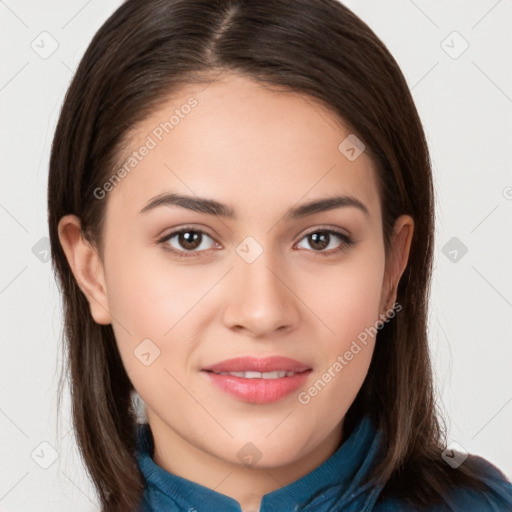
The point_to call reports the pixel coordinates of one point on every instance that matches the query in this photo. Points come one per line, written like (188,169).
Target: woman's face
(269,280)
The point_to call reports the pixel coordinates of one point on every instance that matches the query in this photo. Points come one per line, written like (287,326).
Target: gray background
(465,101)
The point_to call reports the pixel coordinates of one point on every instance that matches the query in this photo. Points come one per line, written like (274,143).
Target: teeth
(259,375)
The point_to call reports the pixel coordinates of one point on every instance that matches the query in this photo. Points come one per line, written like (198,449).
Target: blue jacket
(334,486)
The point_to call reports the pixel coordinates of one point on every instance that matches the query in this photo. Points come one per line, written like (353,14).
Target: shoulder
(496,498)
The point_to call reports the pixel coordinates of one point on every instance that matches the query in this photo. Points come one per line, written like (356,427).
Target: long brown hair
(142,54)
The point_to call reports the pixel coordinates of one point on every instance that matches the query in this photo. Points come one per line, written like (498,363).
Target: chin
(260,453)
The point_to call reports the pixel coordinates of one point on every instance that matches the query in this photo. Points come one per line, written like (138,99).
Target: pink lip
(254,364)
(258,391)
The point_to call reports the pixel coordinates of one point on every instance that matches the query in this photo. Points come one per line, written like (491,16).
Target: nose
(260,298)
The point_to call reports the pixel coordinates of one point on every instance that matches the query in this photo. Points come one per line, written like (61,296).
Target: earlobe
(397,261)
(86,266)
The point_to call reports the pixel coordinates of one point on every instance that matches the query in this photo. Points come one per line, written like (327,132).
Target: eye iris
(190,239)
(316,237)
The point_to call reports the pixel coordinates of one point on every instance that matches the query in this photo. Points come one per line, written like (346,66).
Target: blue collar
(336,482)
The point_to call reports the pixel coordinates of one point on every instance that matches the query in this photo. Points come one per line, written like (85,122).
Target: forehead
(244,144)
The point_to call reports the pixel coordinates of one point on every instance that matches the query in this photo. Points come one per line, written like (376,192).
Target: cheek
(153,299)
(347,297)
(349,306)
(148,295)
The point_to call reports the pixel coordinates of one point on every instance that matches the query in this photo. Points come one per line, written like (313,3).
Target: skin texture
(261,152)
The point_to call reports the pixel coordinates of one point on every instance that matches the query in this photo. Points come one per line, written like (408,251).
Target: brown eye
(186,240)
(321,239)
(189,240)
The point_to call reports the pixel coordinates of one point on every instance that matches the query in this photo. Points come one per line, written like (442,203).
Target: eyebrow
(212,207)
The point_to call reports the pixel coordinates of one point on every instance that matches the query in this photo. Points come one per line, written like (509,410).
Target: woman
(241,218)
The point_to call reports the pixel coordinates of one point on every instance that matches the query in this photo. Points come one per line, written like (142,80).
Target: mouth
(258,381)
(259,375)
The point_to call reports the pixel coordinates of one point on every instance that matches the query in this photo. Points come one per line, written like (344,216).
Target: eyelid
(180,228)
(326,227)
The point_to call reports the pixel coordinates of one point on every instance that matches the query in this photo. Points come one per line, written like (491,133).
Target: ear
(86,266)
(397,260)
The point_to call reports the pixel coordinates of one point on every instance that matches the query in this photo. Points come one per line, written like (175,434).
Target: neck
(246,485)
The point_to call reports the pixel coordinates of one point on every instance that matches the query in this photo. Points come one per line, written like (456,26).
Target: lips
(261,365)
(258,381)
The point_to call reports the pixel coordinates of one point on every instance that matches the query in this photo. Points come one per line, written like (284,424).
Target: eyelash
(347,242)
